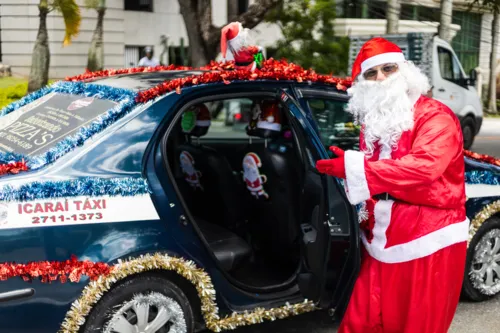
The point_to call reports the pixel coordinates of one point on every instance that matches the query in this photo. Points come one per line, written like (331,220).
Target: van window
(448,65)
(335,125)
(38,126)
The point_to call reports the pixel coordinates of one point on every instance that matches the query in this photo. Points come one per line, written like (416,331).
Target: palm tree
(40,62)
(96,51)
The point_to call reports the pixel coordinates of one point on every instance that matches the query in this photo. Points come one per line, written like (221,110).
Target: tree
(204,37)
(393,10)
(95,60)
(39,73)
(308,35)
(492,6)
(446,9)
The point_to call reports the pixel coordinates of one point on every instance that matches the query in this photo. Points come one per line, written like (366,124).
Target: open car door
(330,242)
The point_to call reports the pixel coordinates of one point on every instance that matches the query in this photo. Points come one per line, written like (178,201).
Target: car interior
(244,186)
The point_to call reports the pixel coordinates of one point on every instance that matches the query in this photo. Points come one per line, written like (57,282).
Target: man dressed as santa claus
(408,180)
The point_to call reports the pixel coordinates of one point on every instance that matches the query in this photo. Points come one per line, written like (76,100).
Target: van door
(330,242)
(447,75)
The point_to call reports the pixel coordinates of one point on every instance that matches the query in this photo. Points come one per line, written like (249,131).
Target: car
(125,206)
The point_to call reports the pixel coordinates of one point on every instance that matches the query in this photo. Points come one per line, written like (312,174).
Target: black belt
(384,196)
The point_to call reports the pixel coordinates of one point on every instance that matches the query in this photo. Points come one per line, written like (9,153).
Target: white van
(439,62)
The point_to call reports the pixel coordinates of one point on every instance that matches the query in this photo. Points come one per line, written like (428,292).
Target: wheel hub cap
(148,313)
(485,270)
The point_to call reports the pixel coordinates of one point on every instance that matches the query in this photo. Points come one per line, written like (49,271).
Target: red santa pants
(418,296)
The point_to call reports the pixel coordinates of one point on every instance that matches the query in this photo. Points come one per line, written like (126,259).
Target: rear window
(38,126)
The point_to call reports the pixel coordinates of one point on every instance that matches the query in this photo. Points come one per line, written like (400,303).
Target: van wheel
(468,131)
(482,270)
(147,303)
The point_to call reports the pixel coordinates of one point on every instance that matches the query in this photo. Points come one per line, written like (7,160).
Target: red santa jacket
(425,174)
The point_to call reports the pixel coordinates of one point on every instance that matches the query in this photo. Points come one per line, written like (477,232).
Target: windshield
(38,126)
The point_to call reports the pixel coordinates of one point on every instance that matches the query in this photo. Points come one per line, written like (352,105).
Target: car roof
(144,80)
(155,81)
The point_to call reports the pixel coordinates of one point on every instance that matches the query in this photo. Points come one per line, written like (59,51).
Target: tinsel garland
(48,271)
(124,98)
(271,70)
(88,186)
(88,75)
(13,167)
(93,292)
(485,213)
(476,223)
(482,158)
(482,177)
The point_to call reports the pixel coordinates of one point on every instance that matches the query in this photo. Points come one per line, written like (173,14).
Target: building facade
(130,25)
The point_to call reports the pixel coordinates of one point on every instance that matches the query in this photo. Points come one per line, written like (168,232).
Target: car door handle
(441,90)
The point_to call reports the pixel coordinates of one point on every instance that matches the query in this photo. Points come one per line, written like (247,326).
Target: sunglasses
(386,69)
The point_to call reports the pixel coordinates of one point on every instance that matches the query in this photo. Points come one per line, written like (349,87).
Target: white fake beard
(385,108)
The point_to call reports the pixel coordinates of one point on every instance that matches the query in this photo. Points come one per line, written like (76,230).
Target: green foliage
(72,18)
(12,93)
(95,4)
(12,89)
(308,35)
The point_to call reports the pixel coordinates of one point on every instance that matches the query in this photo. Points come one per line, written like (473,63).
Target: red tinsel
(46,271)
(13,167)
(482,158)
(271,70)
(112,72)
(220,72)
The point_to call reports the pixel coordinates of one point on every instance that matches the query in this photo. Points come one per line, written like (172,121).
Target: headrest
(196,120)
(266,119)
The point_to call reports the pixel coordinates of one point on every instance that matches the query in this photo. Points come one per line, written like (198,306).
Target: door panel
(326,218)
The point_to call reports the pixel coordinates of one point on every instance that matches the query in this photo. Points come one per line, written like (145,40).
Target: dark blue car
(129,206)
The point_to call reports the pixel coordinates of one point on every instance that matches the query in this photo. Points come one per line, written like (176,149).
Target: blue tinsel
(482,177)
(90,187)
(124,98)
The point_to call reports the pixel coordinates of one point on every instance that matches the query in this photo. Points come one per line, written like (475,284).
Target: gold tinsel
(93,292)
(485,213)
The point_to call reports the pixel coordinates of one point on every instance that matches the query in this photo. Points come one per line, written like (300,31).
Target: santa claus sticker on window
(253,179)
(191,175)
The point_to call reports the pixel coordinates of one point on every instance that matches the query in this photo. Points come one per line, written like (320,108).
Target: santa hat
(375,52)
(270,116)
(254,158)
(232,36)
(203,118)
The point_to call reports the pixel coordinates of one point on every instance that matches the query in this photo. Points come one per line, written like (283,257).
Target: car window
(229,118)
(335,125)
(448,65)
(38,126)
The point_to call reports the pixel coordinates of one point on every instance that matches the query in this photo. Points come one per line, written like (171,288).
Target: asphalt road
(470,317)
(488,140)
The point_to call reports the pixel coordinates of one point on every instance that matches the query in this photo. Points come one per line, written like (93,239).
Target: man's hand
(337,151)
(334,166)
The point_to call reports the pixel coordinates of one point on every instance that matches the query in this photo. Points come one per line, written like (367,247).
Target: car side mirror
(471,81)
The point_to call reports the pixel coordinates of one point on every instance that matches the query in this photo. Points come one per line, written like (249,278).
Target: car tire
(128,300)
(468,132)
(480,257)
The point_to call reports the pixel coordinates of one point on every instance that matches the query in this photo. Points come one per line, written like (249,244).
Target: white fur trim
(269,126)
(380,59)
(203,123)
(357,187)
(417,248)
